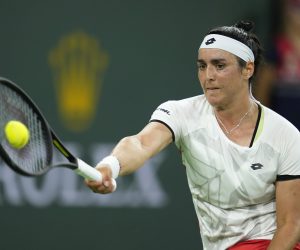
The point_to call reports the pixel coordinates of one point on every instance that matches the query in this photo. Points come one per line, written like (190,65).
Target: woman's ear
(248,70)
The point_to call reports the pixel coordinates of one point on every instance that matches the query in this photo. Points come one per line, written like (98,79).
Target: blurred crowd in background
(278,83)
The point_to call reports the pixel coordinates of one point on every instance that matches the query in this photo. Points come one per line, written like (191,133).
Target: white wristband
(113,164)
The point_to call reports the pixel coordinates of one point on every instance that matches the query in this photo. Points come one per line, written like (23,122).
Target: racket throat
(61,148)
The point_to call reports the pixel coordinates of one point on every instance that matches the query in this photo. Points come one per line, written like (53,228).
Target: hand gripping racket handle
(91,173)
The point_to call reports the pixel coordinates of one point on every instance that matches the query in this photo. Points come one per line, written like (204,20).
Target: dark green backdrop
(152,48)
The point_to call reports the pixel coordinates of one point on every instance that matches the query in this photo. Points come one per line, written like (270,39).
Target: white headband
(214,41)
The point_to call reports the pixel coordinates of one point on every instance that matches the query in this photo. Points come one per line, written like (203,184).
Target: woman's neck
(233,113)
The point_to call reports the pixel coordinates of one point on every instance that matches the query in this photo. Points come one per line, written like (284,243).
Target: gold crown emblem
(78,63)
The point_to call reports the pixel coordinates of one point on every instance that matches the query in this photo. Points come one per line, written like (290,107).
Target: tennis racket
(36,157)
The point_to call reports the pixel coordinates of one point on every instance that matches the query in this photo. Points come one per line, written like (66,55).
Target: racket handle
(91,173)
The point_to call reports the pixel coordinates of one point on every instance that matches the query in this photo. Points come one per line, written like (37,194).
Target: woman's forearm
(286,237)
(131,154)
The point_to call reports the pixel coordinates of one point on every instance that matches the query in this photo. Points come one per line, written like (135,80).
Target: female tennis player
(242,159)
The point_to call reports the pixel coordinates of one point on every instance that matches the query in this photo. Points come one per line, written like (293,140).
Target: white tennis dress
(232,186)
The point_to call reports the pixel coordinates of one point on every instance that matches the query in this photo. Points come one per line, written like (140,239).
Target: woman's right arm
(132,152)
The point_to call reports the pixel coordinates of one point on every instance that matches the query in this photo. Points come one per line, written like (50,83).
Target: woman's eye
(220,66)
(201,66)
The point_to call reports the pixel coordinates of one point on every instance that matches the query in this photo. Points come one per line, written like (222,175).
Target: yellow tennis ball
(17,134)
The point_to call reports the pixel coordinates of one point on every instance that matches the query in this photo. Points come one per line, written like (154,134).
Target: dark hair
(241,31)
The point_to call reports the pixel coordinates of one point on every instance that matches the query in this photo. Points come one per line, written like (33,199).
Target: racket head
(36,157)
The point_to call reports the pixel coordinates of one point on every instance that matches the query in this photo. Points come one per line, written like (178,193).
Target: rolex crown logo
(78,63)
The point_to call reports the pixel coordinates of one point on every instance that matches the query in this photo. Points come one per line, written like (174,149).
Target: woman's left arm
(288,215)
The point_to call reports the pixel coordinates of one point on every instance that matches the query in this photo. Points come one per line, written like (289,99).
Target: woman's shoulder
(188,103)
(278,124)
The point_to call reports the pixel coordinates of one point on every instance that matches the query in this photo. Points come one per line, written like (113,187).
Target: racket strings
(36,155)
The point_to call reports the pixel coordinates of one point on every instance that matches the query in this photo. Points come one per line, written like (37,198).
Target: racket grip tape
(90,173)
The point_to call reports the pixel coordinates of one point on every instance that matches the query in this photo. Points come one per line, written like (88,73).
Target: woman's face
(221,77)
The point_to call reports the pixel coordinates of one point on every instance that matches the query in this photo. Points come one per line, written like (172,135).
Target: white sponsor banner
(62,187)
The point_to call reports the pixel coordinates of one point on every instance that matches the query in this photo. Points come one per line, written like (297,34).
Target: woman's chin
(213,100)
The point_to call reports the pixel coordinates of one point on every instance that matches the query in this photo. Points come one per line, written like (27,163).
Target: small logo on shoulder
(164,110)
(210,41)
(256,166)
